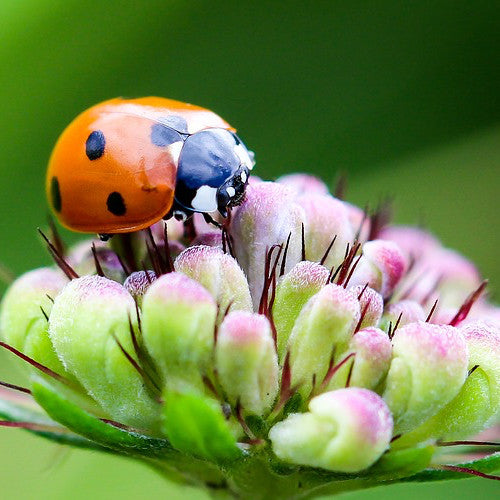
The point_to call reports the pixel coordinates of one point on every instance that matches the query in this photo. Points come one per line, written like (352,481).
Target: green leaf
(14,408)
(488,465)
(109,436)
(195,425)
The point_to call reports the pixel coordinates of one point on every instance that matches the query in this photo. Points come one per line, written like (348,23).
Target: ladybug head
(212,174)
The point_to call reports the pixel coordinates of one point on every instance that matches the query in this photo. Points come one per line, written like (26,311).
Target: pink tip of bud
(435,343)
(415,243)
(371,305)
(138,282)
(245,328)
(208,239)
(44,279)
(483,333)
(177,286)
(372,417)
(306,273)
(389,259)
(304,184)
(98,288)
(372,344)
(408,310)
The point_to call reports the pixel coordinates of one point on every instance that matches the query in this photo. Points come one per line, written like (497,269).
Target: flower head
(300,346)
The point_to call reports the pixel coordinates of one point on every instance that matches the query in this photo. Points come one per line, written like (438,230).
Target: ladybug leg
(210,220)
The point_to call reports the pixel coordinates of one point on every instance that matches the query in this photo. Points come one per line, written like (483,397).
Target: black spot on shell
(55,194)
(94,147)
(162,135)
(116,204)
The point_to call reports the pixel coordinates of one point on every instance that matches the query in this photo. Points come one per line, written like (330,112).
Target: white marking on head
(205,199)
(231,191)
(243,176)
(242,153)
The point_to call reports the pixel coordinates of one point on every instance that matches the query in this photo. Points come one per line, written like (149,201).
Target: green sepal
(487,465)
(401,463)
(196,425)
(90,427)
(294,404)
(257,425)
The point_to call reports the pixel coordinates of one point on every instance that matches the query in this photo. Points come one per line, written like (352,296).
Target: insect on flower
(124,164)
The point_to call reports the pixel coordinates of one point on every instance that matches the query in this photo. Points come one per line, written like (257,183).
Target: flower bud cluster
(301,332)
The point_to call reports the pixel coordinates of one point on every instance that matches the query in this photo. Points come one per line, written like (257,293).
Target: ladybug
(124,164)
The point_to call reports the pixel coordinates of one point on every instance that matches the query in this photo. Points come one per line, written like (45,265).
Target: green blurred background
(402,96)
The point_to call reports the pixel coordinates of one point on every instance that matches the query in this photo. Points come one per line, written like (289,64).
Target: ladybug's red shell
(110,171)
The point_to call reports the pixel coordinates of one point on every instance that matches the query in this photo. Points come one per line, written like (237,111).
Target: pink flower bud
(372,352)
(268,216)
(178,321)
(325,218)
(22,314)
(382,266)
(402,313)
(304,184)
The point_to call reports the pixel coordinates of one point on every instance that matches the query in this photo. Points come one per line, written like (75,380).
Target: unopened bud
(24,311)
(220,274)
(428,368)
(324,326)
(89,326)
(138,282)
(268,216)
(344,431)
(382,266)
(292,293)
(325,218)
(246,361)
(178,321)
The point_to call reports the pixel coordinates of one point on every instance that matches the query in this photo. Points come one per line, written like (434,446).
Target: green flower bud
(178,330)
(220,274)
(292,293)
(323,327)
(428,369)
(465,415)
(22,316)
(477,405)
(88,320)
(246,362)
(372,351)
(344,431)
